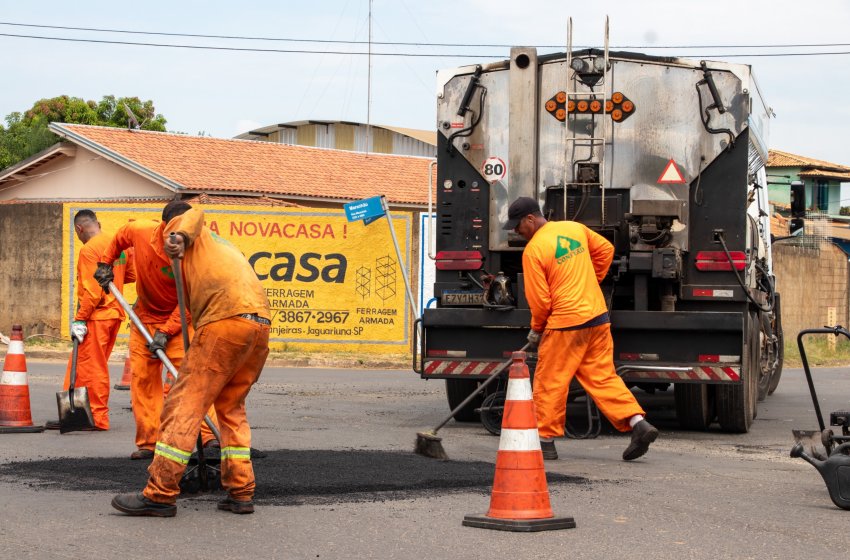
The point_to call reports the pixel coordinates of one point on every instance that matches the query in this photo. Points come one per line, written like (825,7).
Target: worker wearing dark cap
(563,264)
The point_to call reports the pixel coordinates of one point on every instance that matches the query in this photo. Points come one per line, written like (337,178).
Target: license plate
(453,297)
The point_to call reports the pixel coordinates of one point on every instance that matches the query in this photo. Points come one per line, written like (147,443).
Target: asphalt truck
(663,156)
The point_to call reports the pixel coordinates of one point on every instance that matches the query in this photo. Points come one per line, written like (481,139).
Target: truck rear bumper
(649,346)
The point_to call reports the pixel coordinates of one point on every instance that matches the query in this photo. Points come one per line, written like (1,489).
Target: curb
(314,361)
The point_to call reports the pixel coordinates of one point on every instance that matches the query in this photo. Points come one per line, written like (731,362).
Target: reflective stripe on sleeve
(172,453)
(235,453)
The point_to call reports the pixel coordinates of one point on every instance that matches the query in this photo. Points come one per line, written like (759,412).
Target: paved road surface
(340,482)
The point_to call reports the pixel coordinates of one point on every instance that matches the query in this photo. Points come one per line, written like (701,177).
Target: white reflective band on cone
(518,390)
(15,347)
(13,378)
(519,440)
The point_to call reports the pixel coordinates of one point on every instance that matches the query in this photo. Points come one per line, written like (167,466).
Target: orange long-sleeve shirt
(93,304)
(219,281)
(562,267)
(157,294)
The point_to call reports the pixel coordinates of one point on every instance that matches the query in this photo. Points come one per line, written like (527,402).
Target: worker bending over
(563,264)
(225,358)
(156,307)
(97,317)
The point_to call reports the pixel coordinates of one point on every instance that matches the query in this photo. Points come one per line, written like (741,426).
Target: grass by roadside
(818,351)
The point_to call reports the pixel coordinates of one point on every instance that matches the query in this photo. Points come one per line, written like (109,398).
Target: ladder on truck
(572,142)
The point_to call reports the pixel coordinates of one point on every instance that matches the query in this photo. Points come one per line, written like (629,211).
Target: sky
(227,92)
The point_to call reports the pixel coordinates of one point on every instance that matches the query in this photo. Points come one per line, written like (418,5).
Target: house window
(823,195)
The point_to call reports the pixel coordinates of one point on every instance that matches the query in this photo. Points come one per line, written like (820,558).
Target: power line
(356,53)
(243,49)
(413,44)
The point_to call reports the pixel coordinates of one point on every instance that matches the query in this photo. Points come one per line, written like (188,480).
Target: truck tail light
(711,261)
(459,260)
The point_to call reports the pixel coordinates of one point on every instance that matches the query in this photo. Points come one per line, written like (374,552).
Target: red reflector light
(629,356)
(709,261)
(711,358)
(459,260)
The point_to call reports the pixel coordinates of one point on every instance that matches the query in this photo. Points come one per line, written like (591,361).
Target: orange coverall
(225,359)
(102,314)
(563,265)
(157,308)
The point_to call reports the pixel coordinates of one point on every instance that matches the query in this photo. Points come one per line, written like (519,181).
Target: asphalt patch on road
(286,477)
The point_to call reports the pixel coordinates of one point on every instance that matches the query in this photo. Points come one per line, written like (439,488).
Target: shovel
(74,408)
(159,353)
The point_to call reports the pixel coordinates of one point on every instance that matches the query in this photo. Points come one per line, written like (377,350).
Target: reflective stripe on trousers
(235,453)
(172,453)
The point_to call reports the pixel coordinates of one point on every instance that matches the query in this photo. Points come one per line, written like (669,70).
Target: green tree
(26,133)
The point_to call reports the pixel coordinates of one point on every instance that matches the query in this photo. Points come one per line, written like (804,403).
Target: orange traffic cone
(126,377)
(15,415)
(520,497)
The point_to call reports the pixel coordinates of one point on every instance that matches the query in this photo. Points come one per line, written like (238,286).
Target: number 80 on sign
(494,169)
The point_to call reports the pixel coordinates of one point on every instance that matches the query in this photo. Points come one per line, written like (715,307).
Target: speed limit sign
(494,169)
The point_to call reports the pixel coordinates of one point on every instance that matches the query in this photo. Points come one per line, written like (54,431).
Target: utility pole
(369,88)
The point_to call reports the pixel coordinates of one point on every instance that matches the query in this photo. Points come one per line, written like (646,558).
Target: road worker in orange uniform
(563,264)
(157,309)
(231,314)
(97,318)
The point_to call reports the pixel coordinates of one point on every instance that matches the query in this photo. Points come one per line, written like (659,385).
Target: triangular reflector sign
(671,174)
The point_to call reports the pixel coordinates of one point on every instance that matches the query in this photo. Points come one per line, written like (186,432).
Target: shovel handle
(159,353)
(74,354)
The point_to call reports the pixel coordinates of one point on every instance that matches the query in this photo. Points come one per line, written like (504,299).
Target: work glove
(533,339)
(160,339)
(79,330)
(104,275)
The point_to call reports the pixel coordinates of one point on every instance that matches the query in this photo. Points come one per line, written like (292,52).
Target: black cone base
(520,525)
(21,429)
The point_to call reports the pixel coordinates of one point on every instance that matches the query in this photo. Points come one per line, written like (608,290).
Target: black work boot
(235,506)
(643,434)
(137,504)
(141,454)
(550,453)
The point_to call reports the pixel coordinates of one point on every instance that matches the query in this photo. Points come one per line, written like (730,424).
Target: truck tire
(459,389)
(772,355)
(777,371)
(695,405)
(736,404)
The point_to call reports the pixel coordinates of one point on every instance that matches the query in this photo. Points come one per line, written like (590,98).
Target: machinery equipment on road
(664,157)
(835,468)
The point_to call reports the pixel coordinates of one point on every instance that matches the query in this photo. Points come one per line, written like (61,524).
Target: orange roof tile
(205,198)
(777,158)
(200,163)
(837,175)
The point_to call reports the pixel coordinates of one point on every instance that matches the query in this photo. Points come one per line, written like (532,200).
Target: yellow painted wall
(333,285)
(382,141)
(344,137)
(307,135)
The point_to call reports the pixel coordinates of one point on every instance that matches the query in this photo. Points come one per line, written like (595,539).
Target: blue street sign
(366,209)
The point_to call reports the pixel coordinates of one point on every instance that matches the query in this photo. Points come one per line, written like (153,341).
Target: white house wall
(83,176)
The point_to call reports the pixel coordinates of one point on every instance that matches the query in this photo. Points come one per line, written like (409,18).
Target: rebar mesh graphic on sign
(385,277)
(363,282)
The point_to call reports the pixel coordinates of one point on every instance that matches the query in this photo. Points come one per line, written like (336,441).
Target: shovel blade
(812,443)
(78,416)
